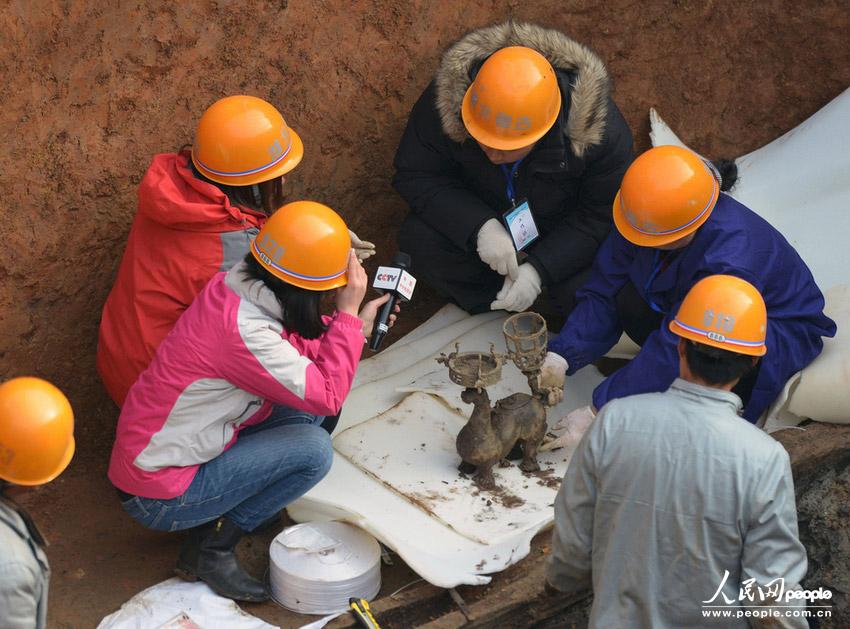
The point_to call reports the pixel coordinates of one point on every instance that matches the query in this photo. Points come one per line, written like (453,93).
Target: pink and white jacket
(223,366)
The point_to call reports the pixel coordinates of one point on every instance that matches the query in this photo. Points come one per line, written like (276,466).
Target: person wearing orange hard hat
(697,505)
(198,212)
(674,227)
(509,164)
(36,445)
(226,425)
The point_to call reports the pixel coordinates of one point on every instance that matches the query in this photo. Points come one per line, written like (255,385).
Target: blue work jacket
(733,241)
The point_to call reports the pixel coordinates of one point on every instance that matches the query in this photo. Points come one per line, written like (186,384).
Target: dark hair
(727,169)
(300,307)
(714,365)
(243,196)
(265,197)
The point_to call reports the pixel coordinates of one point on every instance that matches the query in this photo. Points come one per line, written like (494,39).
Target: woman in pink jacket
(222,430)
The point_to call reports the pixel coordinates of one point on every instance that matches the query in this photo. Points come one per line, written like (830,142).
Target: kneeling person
(675,227)
(679,499)
(222,430)
(516,113)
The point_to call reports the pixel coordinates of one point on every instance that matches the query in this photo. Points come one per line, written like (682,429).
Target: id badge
(521,226)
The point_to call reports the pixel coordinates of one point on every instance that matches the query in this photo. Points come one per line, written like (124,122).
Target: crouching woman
(223,429)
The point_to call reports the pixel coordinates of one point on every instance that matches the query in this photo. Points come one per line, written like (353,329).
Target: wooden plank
(514,598)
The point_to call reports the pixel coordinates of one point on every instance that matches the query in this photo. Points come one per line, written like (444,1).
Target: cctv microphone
(395,280)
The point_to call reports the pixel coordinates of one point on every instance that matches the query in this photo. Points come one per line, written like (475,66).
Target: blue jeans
(270,465)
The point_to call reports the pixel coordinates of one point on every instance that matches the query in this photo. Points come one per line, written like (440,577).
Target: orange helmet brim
(497,142)
(644,239)
(56,471)
(291,160)
(730,345)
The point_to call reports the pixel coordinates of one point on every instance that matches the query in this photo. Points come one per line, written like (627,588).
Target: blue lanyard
(657,263)
(509,176)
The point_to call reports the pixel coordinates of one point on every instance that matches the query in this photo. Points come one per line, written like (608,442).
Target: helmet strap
(270,195)
(258,197)
(714,172)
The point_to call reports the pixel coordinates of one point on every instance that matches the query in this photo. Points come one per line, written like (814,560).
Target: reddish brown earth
(92,90)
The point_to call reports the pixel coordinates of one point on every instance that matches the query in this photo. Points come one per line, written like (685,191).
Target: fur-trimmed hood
(585,125)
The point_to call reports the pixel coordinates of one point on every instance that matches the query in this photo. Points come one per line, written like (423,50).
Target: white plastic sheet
(161,604)
(422,467)
(822,390)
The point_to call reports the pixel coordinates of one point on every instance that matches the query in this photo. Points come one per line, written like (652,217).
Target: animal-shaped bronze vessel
(493,430)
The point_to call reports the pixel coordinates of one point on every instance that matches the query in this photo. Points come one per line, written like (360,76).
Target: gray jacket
(24,573)
(665,495)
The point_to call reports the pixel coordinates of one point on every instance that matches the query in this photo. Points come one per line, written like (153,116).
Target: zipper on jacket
(233,423)
(247,408)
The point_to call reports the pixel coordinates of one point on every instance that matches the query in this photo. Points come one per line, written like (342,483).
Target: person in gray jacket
(36,445)
(674,509)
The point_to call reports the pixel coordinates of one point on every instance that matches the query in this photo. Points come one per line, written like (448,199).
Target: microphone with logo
(396,280)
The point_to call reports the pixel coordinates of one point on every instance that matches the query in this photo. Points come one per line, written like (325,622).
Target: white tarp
(375,499)
(422,467)
(800,183)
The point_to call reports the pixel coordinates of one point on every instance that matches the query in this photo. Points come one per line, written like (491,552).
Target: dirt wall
(93,90)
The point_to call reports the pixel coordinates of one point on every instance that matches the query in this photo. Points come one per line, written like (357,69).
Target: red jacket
(185,231)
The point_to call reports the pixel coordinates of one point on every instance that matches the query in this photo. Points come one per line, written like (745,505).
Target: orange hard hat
(726,312)
(513,101)
(36,431)
(666,194)
(305,244)
(243,140)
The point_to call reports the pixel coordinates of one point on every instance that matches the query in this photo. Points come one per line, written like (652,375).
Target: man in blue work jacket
(675,227)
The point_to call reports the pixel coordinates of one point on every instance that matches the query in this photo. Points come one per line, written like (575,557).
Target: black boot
(208,554)
(330,422)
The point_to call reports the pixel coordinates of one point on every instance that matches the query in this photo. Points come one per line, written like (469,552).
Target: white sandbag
(172,602)
(822,390)
(800,183)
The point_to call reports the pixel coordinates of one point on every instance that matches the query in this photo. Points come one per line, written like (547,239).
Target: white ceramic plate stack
(317,566)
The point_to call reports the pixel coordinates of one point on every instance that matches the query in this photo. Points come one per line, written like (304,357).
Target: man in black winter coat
(471,153)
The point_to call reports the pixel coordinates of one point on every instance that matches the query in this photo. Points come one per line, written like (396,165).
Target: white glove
(518,295)
(553,373)
(496,249)
(362,248)
(574,425)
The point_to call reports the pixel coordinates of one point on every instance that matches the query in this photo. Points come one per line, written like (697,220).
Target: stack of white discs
(316,567)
